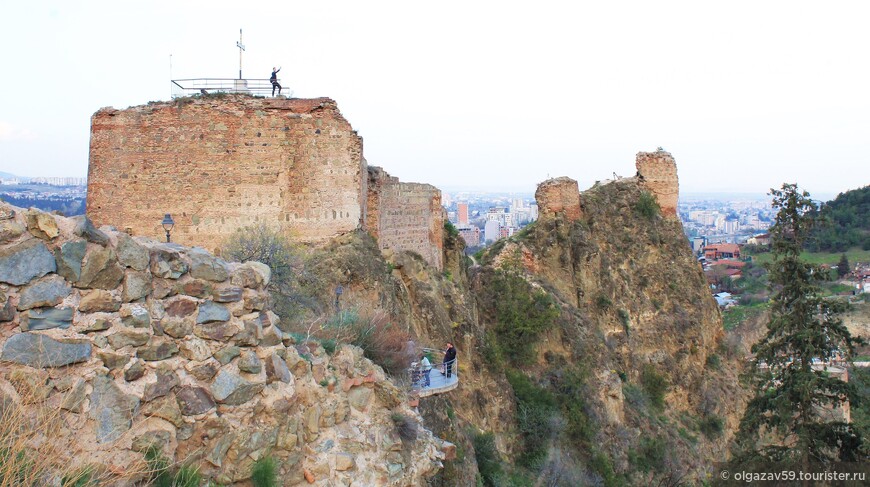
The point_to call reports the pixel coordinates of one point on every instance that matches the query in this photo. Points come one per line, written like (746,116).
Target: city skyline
(514,95)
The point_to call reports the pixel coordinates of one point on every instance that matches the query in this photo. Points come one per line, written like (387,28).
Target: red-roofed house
(722,251)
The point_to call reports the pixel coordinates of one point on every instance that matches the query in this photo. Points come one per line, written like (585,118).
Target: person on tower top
(274,80)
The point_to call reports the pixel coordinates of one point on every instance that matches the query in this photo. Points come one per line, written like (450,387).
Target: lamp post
(338,291)
(168,223)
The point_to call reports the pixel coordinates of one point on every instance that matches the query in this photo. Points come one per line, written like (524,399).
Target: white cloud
(11,132)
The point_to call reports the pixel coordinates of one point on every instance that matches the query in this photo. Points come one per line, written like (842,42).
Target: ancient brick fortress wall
(658,174)
(221,163)
(405,216)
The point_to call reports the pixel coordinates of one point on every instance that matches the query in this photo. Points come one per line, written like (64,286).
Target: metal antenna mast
(241,48)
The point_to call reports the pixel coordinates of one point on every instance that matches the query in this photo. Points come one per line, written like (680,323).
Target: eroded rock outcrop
(142,344)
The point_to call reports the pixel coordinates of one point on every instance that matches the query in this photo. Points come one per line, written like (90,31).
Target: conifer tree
(843,266)
(792,415)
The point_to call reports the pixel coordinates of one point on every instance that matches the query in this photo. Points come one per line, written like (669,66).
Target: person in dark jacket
(449,359)
(274,80)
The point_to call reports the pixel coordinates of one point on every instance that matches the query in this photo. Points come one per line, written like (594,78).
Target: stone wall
(559,196)
(136,343)
(222,162)
(405,216)
(658,174)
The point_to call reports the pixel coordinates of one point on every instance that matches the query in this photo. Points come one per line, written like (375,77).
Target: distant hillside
(847,223)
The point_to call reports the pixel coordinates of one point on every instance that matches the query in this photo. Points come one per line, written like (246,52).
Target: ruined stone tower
(559,196)
(658,174)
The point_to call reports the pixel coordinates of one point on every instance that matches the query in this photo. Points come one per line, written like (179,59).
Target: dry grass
(35,452)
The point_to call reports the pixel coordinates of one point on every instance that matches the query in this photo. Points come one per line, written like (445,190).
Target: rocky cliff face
(135,344)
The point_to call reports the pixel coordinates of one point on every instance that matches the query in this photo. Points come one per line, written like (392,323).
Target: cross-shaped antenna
(241,48)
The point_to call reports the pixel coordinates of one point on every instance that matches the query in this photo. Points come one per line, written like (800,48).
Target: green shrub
(521,314)
(646,205)
(488,460)
(601,464)
(713,361)
(451,230)
(649,456)
(603,302)
(264,473)
(655,385)
(536,408)
(163,475)
(711,426)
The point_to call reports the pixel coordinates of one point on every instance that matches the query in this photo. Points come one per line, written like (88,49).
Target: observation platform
(204,86)
(438,383)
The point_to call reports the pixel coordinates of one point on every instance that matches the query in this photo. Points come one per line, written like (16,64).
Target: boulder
(230,388)
(166,407)
(250,363)
(48,291)
(135,371)
(177,327)
(203,371)
(344,461)
(229,294)
(100,269)
(227,354)
(22,262)
(46,318)
(195,348)
(10,229)
(135,316)
(113,361)
(98,300)
(210,311)
(137,285)
(203,265)
(74,399)
(277,370)
(166,380)
(69,258)
(180,307)
(41,225)
(252,275)
(131,253)
(194,400)
(166,262)
(99,324)
(157,349)
(85,228)
(193,287)
(129,337)
(111,409)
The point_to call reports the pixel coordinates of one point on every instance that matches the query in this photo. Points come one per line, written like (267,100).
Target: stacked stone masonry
(139,343)
(405,216)
(224,162)
(658,173)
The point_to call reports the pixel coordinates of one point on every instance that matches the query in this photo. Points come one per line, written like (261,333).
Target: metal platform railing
(435,379)
(203,86)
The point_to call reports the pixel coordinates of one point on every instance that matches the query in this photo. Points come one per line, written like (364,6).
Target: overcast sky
(491,95)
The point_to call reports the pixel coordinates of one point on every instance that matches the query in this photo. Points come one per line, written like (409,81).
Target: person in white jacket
(425,367)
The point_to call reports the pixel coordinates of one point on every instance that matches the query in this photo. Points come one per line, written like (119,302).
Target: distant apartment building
(60,181)
(731,226)
(10,181)
(491,231)
(462,213)
(470,234)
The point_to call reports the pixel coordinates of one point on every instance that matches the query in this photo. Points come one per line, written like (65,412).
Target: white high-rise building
(491,231)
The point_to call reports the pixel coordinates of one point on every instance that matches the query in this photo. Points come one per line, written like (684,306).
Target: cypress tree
(791,417)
